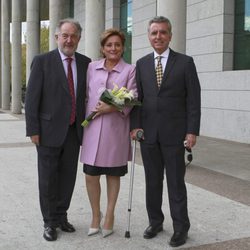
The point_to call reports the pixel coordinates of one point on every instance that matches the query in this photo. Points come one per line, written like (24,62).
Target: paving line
(16,145)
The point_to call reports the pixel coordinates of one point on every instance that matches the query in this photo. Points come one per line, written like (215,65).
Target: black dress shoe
(151,231)
(67,227)
(178,239)
(50,234)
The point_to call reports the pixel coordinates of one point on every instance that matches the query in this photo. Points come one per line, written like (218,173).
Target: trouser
(156,159)
(57,168)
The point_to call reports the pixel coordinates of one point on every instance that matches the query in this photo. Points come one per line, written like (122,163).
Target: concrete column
(0,56)
(175,11)
(58,9)
(33,33)
(16,57)
(112,12)
(94,26)
(5,48)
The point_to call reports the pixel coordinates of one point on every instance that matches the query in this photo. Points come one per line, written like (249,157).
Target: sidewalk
(218,183)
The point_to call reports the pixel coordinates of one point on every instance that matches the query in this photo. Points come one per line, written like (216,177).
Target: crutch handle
(139,135)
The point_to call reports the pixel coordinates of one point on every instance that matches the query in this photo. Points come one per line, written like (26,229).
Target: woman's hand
(104,108)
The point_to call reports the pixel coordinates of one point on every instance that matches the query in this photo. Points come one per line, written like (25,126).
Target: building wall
(142,11)
(225,93)
(226,105)
(209,38)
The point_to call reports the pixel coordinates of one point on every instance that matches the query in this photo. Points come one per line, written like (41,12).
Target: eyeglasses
(189,156)
(65,36)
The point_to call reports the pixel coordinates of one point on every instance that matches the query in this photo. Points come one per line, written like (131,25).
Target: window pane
(242,35)
(71,8)
(126,27)
(247,16)
(123,21)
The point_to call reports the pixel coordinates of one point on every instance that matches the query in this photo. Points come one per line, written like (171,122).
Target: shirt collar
(63,57)
(164,54)
(118,67)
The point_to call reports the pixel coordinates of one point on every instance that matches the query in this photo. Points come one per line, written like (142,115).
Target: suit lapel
(61,71)
(169,66)
(79,69)
(151,63)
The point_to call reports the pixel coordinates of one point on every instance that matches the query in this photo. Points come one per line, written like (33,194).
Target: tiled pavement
(218,183)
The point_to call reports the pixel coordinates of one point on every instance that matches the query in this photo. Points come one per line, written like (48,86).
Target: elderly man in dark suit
(54,110)
(169,90)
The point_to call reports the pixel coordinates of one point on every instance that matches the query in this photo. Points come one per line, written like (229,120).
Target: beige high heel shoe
(107,232)
(92,230)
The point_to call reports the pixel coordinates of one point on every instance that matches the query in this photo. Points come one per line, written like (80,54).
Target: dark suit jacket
(169,113)
(48,101)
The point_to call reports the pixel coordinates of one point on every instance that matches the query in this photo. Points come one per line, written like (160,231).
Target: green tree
(44,39)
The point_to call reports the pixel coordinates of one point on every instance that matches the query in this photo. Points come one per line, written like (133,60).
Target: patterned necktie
(159,71)
(72,91)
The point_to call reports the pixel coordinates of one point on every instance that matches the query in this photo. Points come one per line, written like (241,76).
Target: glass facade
(242,35)
(71,8)
(126,27)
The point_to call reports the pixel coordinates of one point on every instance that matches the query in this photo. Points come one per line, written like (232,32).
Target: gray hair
(160,19)
(71,21)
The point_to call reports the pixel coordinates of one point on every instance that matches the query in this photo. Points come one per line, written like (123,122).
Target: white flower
(118,100)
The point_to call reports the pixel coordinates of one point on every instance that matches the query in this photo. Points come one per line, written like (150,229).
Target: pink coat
(106,140)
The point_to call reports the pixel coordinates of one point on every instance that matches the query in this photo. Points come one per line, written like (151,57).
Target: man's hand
(35,139)
(134,134)
(190,140)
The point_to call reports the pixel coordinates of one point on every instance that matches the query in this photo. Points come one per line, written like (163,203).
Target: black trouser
(57,168)
(156,158)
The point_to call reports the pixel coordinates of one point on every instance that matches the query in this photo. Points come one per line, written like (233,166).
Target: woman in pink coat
(106,147)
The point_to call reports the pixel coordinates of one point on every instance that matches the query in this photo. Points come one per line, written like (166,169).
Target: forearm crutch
(139,136)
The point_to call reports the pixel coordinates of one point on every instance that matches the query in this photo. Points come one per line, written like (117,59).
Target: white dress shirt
(164,58)
(73,66)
